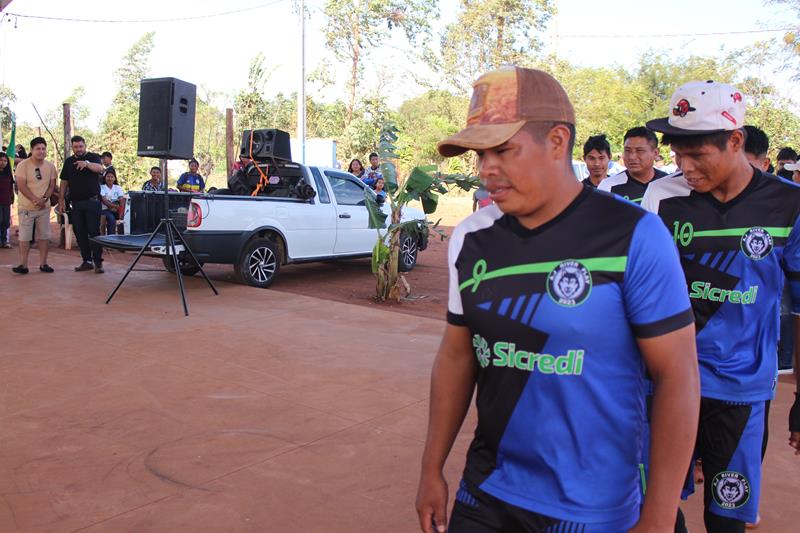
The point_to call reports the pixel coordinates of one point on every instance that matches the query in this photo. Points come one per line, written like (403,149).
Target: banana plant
(425,184)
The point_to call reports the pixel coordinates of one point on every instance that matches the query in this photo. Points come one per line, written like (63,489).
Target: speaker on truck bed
(266,144)
(166,118)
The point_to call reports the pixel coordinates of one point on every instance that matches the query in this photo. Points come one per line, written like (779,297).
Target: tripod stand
(171,236)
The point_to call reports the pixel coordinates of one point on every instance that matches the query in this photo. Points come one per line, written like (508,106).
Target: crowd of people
(616,334)
(86,190)
(371,175)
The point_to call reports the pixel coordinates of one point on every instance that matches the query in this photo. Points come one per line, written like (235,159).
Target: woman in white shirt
(111,195)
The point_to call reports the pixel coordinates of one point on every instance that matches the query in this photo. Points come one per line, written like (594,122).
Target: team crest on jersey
(569,284)
(482,351)
(756,243)
(731,489)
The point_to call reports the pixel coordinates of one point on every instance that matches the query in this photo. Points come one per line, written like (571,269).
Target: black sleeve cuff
(664,326)
(456,320)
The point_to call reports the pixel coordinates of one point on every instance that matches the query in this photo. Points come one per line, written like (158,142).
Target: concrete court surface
(262,411)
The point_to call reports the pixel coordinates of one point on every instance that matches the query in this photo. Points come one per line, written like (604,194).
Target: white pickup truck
(258,234)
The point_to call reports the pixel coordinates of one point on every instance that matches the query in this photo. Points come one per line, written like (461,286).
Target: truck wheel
(259,263)
(408,253)
(188,268)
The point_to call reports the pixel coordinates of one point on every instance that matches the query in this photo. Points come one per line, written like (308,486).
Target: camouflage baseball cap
(502,102)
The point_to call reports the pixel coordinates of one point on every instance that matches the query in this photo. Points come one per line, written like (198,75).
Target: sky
(42,61)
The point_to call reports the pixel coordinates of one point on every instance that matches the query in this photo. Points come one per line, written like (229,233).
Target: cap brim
(792,166)
(662,125)
(480,137)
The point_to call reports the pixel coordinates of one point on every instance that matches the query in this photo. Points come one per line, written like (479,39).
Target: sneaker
(46,268)
(20,269)
(98,269)
(84,266)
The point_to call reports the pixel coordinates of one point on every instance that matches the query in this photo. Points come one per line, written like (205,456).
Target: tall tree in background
(119,131)
(791,39)
(209,132)
(487,35)
(7,99)
(355,27)
(249,106)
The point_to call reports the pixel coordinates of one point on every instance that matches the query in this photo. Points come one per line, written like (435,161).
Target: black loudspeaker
(166,118)
(267,144)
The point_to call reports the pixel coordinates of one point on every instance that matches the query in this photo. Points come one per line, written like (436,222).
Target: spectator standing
(105,159)
(356,168)
(192,181)
(756,148)
(786,156)
(81,172)
(794,168)
(380,189)
(110,195)
(373,172)
(639,153)
(597,156)
(154,183)
(36,180)
(6,198)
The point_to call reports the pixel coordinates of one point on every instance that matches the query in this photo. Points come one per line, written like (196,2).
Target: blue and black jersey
(625,185)
(554,313)
(734,256)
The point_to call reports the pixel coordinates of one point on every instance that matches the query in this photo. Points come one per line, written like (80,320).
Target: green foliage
(354,27)
(488,34)
(7,99)
(119,130)
(426,120)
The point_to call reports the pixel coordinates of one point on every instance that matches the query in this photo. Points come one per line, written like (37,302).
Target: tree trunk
(498,52)
(353,81)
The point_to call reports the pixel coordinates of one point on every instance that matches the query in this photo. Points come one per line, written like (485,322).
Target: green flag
(11,151)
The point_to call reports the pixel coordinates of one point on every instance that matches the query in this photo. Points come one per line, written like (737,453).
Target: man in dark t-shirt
(596,155)
(737,230)
(639,154)
(81,173)
(560,395)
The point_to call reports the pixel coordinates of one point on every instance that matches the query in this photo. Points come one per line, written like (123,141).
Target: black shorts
(475,511)
(729,441)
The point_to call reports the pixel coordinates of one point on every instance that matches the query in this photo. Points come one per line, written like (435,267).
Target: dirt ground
(299,408)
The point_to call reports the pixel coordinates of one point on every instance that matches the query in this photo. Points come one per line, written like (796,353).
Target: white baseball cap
(792,166)
(702,108)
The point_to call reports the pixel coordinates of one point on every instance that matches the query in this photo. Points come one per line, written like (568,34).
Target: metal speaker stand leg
(172,235)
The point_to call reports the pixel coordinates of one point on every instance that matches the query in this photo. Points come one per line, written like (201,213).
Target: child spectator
(380,191)
(373,172)
(191,181)
(111,194)
(6,198)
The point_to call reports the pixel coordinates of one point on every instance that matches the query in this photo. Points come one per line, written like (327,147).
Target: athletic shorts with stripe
(475,511)
(730,439)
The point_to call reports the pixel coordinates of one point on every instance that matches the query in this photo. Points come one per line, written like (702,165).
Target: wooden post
(229,153)
(67,131)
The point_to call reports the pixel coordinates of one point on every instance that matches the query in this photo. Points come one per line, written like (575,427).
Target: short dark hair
(38,140)
(720,140)
(373,154)
(786,153)
(107,154)
(539,130)
(155,168)
(195,161)
(597,142)
(757,142)
(77,139)
(641,131)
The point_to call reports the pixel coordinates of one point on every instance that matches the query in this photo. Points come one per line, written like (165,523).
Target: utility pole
(301,93)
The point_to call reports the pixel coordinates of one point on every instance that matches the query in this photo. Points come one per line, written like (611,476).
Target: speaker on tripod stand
(166,131)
